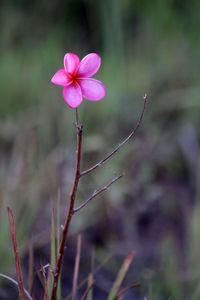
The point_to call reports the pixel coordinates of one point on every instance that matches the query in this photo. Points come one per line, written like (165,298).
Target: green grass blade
(121,274)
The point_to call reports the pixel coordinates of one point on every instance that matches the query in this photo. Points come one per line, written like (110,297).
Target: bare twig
(76,268)
(99,191)
(88,289)
(70,212)
(109,156)
(17,260)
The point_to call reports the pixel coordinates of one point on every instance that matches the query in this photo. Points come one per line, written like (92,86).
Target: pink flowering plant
(76,79)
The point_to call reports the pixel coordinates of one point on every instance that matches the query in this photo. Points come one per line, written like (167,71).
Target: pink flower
(75,77)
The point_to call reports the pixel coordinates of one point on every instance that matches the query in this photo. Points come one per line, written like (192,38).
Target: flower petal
(71,62)
(61,78)
(72,95)
(92,89)
(89,65)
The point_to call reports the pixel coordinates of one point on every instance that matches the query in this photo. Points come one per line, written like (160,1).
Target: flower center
(73,78)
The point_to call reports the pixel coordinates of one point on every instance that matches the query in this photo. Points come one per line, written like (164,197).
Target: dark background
(148,47)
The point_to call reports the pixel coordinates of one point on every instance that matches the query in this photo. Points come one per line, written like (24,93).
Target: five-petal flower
(75,77)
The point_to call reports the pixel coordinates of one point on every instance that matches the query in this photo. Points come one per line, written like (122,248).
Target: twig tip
(145,96)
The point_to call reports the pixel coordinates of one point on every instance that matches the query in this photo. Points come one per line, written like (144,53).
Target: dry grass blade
(121,274)
(76,267)
(88,289)
(30,265)
(58,237)
(84,281)
(134,285)
(53,239)
(17,261)
(46,295)
(91,277)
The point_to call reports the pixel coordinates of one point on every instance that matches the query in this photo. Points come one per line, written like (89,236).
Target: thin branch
(109,156)
(70,212)
(99,191)
(88,289)
(76,268)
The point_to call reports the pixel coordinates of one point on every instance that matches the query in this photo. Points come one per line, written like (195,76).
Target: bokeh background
(148,47)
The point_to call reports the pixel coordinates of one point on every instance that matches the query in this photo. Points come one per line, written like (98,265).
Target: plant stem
(70,212)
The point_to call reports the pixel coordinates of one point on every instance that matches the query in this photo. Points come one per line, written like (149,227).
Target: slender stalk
(88,289)
(76,267)
(110,155)
(46,295)
(70,212)
(17,260)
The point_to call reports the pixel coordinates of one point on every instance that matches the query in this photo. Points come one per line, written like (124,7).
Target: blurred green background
(148,47)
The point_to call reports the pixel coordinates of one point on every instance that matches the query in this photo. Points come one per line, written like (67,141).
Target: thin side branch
(99,191)
(109,156)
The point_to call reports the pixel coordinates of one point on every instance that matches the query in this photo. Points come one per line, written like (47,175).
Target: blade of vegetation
(17,260)
(15,282)
(91,277)
(134,285)
(30,265)
(121,274)
(88,290)
(46,295)
(44,280)
(76,267)
(58,218)
(84,281)
(53,239)
(53,249)
(58,224)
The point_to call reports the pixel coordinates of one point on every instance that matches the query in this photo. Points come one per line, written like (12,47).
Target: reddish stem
(17,260)
(70,212)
